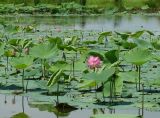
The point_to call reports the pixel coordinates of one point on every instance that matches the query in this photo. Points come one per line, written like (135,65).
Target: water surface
(11,105)
(96,23)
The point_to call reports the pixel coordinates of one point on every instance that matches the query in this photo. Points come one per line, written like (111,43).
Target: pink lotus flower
(94,62)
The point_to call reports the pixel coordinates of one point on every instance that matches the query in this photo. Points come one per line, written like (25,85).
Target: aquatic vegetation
(78,70)
(22,63)
(20,115)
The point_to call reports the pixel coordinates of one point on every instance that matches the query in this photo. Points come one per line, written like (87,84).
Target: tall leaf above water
(138,56)
(137,34)
(102,36)
(142,43)
(21,62)
(124,36)
(59,65)
(128,76)
(103,76)
(44,51)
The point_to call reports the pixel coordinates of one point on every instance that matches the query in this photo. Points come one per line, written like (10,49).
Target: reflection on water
(113,22)
(20,106)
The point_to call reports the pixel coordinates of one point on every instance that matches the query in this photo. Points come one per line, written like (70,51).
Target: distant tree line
(82,2)
(118,3)
(35,2)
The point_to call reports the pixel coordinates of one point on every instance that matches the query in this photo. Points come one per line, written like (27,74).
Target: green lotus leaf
(55,41)
(137,34)
(102,76)
(20,115)
(102,36)
(21,62)
(87,42)
(44,51)
(86,83)
(149,32)
(31,72)
(72,41)
(156,44)
(128,45)
(118,86)
(138,56)
(156,57)
(143,44)
(9,53)
(81,63)
(112,56)
(124,36)
(13,42)
(155,82)
(128,76)
(148,105)
(59,65)
(68,47)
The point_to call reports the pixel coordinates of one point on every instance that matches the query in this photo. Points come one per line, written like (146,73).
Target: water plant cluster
(110,70)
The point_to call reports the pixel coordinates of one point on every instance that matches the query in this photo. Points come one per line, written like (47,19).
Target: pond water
(11,105)
(98,23)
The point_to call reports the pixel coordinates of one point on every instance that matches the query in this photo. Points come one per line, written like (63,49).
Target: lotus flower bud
(13,52)
(26,51)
